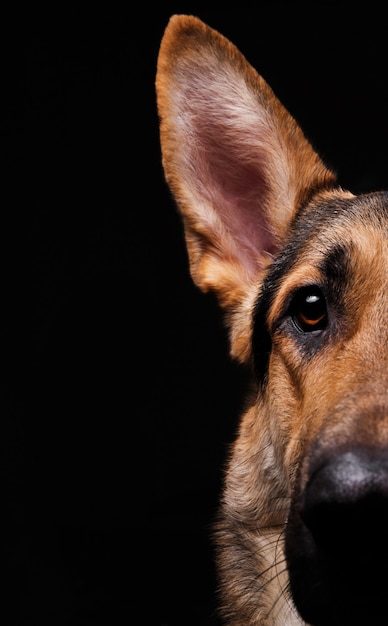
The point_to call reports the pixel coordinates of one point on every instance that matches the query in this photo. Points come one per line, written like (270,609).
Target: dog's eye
(308,309)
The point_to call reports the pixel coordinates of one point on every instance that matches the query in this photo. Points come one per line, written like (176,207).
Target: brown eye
(309,310)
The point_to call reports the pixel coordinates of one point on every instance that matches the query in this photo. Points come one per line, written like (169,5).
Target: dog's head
(300,270)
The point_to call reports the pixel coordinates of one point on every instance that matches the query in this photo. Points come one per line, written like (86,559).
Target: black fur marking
(261,336)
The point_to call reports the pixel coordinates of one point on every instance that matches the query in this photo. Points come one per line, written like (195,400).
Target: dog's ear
(236,161)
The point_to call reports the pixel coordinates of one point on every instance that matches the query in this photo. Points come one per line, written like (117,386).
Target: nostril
(346,499)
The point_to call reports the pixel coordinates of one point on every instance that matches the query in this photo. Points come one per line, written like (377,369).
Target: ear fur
(236,162)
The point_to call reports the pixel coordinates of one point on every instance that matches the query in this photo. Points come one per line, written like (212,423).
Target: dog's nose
(346,501)
(337,541)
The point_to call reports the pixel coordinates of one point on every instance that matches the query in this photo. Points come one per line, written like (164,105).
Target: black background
(118,397)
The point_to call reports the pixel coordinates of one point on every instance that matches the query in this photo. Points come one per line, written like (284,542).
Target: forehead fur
(330,221)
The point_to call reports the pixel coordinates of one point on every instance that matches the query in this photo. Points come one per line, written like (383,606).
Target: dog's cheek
(256,487)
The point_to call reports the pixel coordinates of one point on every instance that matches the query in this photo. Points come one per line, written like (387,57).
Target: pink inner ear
(232,177)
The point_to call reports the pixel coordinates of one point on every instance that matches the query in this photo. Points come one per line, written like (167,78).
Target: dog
(300,270)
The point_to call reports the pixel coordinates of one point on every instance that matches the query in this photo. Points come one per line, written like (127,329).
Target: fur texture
(299,267)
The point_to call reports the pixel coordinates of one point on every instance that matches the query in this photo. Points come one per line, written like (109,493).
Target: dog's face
(322,313)
(299,267)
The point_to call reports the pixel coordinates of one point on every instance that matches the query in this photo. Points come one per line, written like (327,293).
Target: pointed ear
(236,162)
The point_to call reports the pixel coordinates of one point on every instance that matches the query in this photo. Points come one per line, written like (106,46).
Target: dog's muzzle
(337,541)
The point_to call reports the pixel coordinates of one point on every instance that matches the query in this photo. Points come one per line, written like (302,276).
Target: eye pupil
(309,309)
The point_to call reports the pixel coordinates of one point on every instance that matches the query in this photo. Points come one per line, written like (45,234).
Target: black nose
(337,541)
(346,499)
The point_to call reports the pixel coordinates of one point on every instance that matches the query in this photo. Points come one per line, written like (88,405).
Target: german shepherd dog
(300,270)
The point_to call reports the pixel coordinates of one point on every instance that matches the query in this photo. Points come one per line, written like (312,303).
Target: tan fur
(242,173)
